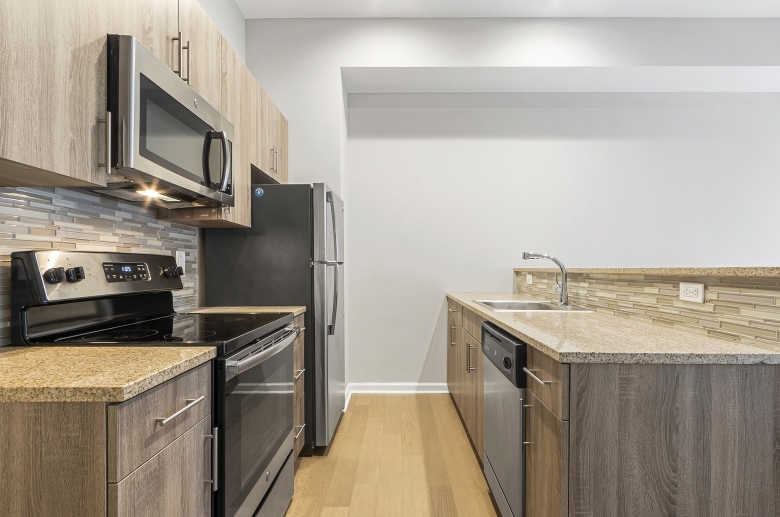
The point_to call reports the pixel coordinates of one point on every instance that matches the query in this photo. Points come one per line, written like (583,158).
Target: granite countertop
(91,374)
(295,309)
(592,337)
(748,271)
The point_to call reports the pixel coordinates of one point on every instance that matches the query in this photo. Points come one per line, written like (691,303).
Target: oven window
(258,418)
(173,137)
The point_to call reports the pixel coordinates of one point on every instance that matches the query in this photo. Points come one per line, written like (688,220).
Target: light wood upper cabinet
(202,61)
(53,83)
(273,140)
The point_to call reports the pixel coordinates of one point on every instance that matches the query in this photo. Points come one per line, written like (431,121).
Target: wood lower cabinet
(465,373)
(92,459)
(546,461)
(639,440)
(53,83)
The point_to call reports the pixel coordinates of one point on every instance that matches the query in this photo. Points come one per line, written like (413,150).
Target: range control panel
(70,275)
(125,272)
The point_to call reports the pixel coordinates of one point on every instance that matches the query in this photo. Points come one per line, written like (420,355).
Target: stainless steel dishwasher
(504,461)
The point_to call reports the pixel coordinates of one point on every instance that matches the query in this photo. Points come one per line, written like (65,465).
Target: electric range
(67,298)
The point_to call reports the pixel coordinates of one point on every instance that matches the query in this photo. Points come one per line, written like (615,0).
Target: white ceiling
(507,8)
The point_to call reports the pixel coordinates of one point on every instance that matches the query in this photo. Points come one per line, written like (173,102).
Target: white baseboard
(395,387)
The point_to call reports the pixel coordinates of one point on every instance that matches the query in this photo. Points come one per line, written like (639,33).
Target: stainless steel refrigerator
(292,255)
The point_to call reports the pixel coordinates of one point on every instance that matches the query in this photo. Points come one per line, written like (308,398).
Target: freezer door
(328,224)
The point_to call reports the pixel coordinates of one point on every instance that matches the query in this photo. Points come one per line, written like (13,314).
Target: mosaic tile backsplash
(70,220)
(736,308)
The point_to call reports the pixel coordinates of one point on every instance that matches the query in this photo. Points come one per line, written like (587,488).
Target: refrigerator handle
(332,326)
(329,199)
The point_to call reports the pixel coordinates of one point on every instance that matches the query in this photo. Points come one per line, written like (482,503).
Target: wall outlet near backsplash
(739,308)
(692,292)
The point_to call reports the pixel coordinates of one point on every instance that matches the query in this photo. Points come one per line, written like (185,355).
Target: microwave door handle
(223,183)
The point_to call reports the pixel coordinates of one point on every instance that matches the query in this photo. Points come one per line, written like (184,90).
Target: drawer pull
(299,431)
(299,373)
(534,377)
(451,310)
(214,457)
(527,443)
(191,403)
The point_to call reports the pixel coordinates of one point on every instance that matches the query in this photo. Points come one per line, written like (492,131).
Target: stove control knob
(179,271)
(75,274)
(171,271)
(507,362)
(55,275)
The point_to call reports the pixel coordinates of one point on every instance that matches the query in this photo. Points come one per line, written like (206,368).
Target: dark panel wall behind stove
(54,218)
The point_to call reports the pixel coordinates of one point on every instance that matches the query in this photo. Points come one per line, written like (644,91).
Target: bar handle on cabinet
(534,377)
(191,403)
(299,431)
(177,71)
(214,457)
(189,62)
(452,336)
(107,122)
(471,347)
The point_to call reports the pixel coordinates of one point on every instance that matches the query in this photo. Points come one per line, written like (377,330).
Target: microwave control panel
(125,271)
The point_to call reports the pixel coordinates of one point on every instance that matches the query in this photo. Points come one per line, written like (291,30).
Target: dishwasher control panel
(506,352)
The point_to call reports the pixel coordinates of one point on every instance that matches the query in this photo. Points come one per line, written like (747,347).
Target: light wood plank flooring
(394,456)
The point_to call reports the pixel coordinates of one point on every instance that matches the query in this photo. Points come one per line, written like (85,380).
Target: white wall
(446,199)
(231,23)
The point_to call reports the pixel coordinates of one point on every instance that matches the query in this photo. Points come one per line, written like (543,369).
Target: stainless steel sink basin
(527,306)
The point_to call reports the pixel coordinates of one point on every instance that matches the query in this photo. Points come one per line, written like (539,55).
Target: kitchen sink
(527,306)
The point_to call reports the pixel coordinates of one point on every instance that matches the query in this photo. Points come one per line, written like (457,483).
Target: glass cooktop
(229,331)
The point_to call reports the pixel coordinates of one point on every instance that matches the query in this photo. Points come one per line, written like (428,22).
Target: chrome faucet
(561,288)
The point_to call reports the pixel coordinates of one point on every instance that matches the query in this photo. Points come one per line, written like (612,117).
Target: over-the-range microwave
(169,147)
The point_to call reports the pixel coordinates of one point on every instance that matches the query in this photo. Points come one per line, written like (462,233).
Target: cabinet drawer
(551,382)
(173,483)
(472,323)
(455,311)
(299,422)
(135,435)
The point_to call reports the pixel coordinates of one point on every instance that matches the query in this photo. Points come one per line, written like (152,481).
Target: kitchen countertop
(758,271)
(594,337)
(91,373)
(296,310)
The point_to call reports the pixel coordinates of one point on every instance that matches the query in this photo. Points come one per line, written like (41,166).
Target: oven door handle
(233,368)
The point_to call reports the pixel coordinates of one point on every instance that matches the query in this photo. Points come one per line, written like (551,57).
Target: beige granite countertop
(91,374)
(296,310)
(603,338)
(748,271)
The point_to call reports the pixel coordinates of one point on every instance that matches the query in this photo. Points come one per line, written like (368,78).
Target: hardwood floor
(394,456)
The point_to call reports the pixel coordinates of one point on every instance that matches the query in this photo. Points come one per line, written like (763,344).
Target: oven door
(254,414)
(166,138)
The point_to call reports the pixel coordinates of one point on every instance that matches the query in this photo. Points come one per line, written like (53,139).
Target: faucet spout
(562,288)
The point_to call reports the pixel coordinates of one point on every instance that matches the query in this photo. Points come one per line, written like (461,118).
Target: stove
(68,298)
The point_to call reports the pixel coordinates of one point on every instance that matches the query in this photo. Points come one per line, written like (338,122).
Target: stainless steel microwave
(168,146)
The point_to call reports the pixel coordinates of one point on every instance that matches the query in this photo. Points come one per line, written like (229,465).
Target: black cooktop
(227,331)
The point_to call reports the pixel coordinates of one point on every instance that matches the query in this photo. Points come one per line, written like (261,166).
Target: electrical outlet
(181,259)
(692,292)
(529,279)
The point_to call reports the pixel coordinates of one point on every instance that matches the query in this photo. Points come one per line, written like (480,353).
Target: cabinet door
(53,83)
(281,143)
(202,62)
(269,137)
(173,483)
(459,363)
(546,461)
(451,345)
